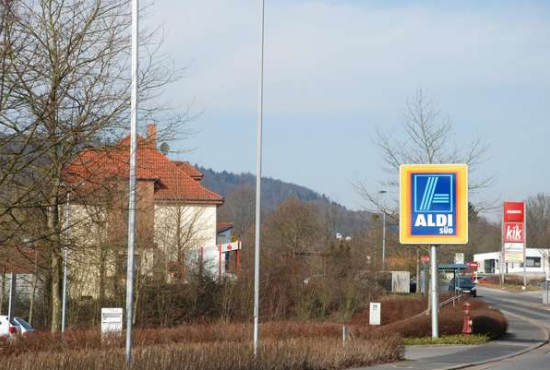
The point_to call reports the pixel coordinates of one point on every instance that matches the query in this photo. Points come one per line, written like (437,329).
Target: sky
(336,71)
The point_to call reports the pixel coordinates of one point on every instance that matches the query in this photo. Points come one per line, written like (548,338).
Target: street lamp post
(259,122)
(132,182)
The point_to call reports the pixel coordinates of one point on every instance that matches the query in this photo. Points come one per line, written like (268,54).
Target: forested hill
(274,192)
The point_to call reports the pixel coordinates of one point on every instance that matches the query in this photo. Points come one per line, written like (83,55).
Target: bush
(489,322)
(236,334)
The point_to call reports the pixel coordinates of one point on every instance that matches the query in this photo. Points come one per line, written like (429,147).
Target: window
(533,261)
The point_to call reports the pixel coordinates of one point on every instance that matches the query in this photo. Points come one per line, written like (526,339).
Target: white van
(17,326)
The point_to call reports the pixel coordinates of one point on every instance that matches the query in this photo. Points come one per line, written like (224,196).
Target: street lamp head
(382,191)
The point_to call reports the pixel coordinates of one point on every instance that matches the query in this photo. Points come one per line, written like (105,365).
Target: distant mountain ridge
(275,191)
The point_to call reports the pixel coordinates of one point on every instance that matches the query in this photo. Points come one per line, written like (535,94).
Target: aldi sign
(434,204)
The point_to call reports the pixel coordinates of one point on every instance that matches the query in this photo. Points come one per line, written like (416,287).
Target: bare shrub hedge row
(295,354)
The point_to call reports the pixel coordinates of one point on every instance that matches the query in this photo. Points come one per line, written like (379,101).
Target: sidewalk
(521,336)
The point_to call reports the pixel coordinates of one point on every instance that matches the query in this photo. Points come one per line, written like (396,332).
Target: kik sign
(434,204)
(513,232)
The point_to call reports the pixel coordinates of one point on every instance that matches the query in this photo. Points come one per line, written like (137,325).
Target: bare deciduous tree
(427,137)
(538,220)
(66,67)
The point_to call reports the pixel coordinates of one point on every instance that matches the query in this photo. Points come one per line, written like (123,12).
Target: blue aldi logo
(433,204)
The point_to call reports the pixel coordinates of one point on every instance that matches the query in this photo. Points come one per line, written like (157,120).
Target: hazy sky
(336,70)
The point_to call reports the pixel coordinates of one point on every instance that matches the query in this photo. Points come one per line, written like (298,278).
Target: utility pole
(132,185)
(258,184)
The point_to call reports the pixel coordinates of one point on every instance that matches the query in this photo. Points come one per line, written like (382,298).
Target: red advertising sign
(513,211)
(514,232)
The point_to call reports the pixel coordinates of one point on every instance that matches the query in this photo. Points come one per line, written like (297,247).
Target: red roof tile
(93,167)
(190,170)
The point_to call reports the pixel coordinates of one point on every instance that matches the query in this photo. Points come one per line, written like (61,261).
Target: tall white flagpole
(132,185)
(258,185)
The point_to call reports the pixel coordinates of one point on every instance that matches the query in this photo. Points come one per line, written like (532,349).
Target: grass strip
(447,340)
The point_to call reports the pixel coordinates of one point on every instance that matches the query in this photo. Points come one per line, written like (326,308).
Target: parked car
(464,284)
(23,326)
(17,326)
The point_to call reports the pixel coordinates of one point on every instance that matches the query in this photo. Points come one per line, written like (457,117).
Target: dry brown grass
(206,333)
(295,354)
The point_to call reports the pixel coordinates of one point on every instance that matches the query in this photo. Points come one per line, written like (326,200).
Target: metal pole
(65,265)
(503,251)
(258,184)
(132,195)
(435,294)
(525,245)
(384,241)
(13,293)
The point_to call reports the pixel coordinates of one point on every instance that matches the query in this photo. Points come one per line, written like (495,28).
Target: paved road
(527,305)
(526,319)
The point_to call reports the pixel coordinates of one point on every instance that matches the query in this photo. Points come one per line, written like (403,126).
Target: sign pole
(435,293)
(524,246)
(502,252)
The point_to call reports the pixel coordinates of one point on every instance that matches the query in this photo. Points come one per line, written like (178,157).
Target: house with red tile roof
(176,214)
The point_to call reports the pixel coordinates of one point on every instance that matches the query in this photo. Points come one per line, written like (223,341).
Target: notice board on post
(433,204)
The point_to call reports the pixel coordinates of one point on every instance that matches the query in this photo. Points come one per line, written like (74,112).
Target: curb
(543,328)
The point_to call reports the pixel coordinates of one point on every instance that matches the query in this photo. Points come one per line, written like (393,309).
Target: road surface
(527,330)
(528,306)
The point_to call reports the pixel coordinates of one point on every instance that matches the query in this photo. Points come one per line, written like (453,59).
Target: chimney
(152,134)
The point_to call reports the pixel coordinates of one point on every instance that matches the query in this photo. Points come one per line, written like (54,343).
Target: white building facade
(538,263)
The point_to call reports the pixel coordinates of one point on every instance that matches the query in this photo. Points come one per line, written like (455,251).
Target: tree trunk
(56,265)
(56,292)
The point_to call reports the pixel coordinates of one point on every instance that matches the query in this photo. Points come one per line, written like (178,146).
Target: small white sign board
(375,313)
(234,246)
(459,258)
(111,320)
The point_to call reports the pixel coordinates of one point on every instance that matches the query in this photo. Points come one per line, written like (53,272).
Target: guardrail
(452,300)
